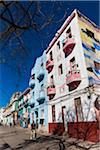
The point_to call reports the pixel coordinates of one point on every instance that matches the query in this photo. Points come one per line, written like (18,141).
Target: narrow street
(15,138)
(12,137)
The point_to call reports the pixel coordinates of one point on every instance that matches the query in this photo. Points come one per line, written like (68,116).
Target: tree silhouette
(19,18)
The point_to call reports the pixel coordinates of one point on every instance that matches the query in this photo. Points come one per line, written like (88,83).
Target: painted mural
(91,46)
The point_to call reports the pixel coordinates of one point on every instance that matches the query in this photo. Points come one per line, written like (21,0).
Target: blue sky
(10,80)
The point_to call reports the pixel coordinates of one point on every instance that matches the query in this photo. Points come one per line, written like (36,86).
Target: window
(53,113)
(42,122)
(42,113)
(90,33)
(97,65)
(63,43)
(83,30)
(72,62)
(42,87)
(59,57)
(90,69)
(33,76)
(63,112)
(96,40)
(32,116)
(42,64)
(93,49)
(68,33)
(97,103)
(78,108)
(32,105)
(58,45)
(36,113)
(60,70)
(51,57)
(51,80)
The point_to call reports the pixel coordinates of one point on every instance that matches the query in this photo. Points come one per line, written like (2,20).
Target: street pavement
(16,138)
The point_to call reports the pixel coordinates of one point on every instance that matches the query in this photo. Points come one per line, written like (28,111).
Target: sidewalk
(69,143)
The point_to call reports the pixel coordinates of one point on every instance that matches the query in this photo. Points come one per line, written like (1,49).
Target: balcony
(69,45)
(26,104)
(32,105)
(20,106)
(51,91)
(32,83)
(29,109)
(31,102)
(41,98)
(49,65)
(73,79)
(21,103)
(40,75)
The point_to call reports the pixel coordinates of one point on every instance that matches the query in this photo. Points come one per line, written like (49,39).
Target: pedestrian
(33,131)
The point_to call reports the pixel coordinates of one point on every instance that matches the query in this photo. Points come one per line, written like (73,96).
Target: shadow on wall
(56,128)
(84,130)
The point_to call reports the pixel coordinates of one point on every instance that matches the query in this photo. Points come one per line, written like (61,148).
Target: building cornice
(65,24)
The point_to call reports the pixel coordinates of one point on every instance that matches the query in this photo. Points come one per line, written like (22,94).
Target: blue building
(38,97)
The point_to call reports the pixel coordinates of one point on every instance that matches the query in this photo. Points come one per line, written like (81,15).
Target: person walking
(33,131)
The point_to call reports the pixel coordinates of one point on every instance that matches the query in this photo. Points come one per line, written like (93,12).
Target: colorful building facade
(73,66)
(24,109)
(11,110)
(39,99)
(72,80)
(64,86)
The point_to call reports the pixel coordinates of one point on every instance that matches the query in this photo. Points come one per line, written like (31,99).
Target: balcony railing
(41,98)
(32,104)
(40,75)
(73,76)
(30,101)
(69,45)
(73,79)
(32,83)
(51,91)
(49,65)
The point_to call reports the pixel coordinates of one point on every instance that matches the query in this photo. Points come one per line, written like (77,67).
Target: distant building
(10,112)
(24,108)
(1,115)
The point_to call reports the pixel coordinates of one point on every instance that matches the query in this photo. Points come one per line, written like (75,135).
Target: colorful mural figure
(91,46)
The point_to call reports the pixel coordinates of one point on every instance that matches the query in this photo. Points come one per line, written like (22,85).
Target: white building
(73,71)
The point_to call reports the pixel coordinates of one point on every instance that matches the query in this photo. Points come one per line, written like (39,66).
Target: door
(78,109)
(63,114)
